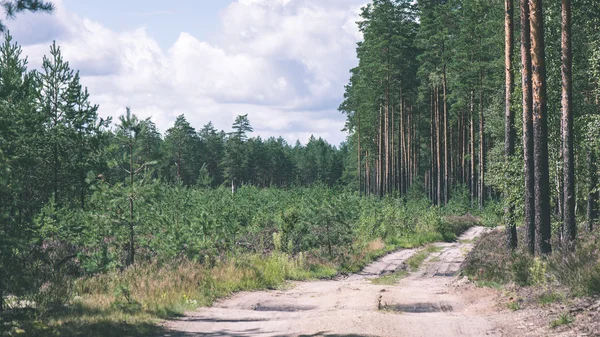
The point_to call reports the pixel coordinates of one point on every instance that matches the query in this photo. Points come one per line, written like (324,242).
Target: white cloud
(284,62)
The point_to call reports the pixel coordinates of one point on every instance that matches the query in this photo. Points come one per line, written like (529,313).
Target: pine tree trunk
(131,259)
(540,128)
(367,175)
(473,171)
(386,142)
(461,149)
(509,146)
(567,120)
(529,197)
(446,145)
(440,197)
(392,151)
(418,146)
(432,146)
(402,146)
(481,149)
(592,195)
(358,160)
(409,152)
(380,160)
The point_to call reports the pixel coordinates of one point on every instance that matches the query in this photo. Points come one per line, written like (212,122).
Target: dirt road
(427,302)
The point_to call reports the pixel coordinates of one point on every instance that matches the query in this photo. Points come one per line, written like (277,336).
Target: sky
(282,62)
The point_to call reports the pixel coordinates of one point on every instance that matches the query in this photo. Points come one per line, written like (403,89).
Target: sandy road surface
(426,303)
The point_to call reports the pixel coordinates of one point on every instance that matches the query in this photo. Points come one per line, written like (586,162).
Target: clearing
(432,301)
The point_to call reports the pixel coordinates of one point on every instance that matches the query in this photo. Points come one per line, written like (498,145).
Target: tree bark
(473,171)
(386,143)
(509,146)
(440,187)
(380,160)
(446,147)
(567,120)
(131,258)
(358,160)
(529,200)
(433,152)
(481,149)
(540,128)
(592,195)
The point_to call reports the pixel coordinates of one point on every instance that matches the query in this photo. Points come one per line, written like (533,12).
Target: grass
(514,305)
(563,319)
(415,261)
(550,297)
(130,302)
(576,271)
(390,279)
(489,284)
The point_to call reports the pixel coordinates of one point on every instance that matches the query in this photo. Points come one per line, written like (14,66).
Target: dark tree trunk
(386,143)
(567,120)
(509,142)
(439,168)
(446,147)
(540,128)
(358,160)
(592,195)
(473,171)
(481,149)
(433,152)
(131,258)
(380,160)
(529,206)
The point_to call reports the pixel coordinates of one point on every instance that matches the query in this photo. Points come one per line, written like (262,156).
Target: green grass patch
(563,319)
(514,305)
(415,261)
(390,279)
(550,297)
(489,284)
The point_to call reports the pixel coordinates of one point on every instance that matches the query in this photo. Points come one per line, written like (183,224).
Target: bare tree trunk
(473,171)
(446,146)
(358,160)
(509,146)
(402,145)
(386,142)
(567,120)
(418,146)
(432,146)
(367,175)
(481,149)
(392,183)
(131,258)
(460,173)
(380,160)
(529,197)
(540,127)
(409,152)
(440,197)
(592,195)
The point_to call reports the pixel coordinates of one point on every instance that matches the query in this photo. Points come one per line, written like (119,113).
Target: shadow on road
(252,332)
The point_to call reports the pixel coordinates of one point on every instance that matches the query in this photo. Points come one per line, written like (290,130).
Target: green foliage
(390,279)
(574,270)
(563,319)
(537,272)
(514,305)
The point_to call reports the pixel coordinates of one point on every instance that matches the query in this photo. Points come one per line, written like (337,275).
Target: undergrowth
(577,271)
(112,300)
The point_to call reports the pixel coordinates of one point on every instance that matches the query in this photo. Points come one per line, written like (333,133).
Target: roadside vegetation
(214,245)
